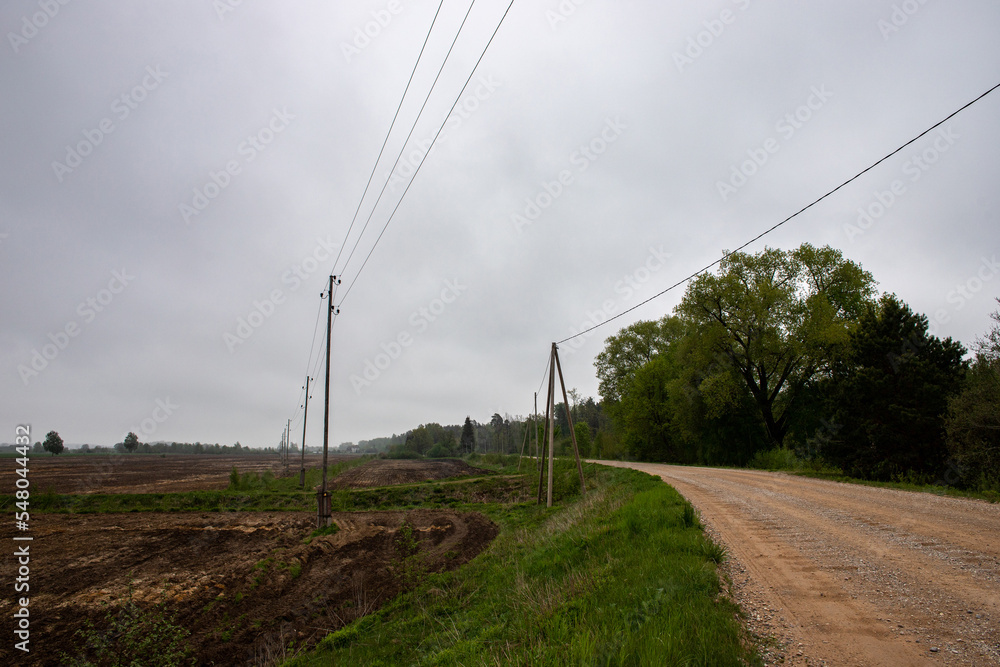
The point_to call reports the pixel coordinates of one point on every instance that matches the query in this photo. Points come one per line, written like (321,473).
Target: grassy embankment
(623,576)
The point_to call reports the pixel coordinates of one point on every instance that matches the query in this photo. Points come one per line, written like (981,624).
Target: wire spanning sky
(177,179)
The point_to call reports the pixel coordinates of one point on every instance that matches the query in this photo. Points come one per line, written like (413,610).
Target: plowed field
(244,584)
(147,473)
(388,472)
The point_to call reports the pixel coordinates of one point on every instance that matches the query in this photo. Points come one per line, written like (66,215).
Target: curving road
(843,574)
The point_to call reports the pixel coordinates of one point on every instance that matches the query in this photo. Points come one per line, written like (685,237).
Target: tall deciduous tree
(778,318)
(131,442)
(890,394)
(53,443)
(629,350)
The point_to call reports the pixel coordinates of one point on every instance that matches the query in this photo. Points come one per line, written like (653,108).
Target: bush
(775,459)
(439,451)
(401,452)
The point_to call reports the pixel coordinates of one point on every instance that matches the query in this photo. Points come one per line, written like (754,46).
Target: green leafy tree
(889,396)
(131,442)
(973,422)
(629,350)
(777,318)
(53,443)
(582,431)
(643,414)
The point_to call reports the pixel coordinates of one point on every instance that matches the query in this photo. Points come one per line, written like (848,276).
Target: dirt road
(842,574)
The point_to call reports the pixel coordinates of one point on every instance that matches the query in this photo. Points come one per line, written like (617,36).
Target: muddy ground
(145,473)
(244,584)
(388,472)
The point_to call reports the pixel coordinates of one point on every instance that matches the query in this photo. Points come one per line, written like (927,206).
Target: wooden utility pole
(552,421)
(305,416)
(323,497)
(534,429)
(569,420)
(541,455)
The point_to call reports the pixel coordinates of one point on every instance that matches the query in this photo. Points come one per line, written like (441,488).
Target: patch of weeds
(131,635)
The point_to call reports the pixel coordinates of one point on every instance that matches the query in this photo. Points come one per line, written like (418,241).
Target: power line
(773,227)
(387,135)
(364,194)
(408,136)
(424,159)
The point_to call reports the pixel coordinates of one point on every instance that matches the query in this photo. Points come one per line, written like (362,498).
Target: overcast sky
(176,179)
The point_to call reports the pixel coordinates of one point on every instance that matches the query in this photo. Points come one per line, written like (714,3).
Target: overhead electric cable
(433,141)
(413,127)
(773,227)
(387,135)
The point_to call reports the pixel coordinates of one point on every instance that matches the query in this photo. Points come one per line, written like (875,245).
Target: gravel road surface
(844,574)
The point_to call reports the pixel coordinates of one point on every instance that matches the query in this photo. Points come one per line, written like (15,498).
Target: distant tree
(131,442)
(582,431)
(889,396)
(468,440)
(38,448)
(53,443)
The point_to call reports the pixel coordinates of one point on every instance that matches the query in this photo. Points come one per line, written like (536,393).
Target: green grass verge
(623,576)
(936,489)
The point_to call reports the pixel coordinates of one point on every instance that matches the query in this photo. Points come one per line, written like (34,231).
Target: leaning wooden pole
(552,421)
(541,453)
(534,431)
(569,420)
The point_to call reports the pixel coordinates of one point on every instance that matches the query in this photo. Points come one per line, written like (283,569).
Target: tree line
(794,352)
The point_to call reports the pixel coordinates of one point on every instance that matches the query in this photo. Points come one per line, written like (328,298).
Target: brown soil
(147,473)
(388,472)
(844,574)
(213,572)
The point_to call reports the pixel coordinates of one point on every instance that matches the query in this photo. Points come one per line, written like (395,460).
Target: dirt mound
(244,584)
(389,472)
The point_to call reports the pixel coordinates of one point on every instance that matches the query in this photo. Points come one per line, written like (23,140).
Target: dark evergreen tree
(468,441)
(889,396)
